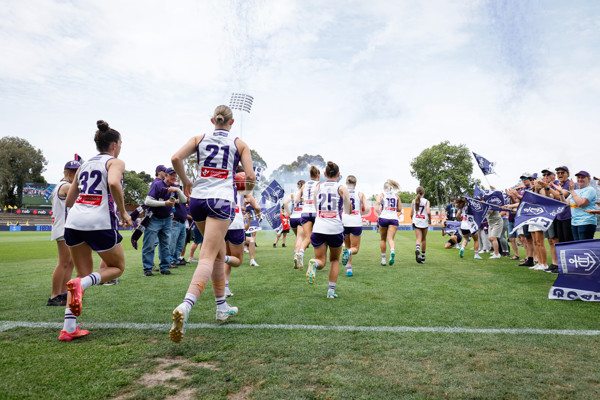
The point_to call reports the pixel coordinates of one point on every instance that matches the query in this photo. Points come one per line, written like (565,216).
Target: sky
(366,84)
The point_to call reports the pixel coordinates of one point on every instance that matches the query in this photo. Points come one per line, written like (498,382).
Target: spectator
(451,211)
(178,231)
(561,191)
(161,199)
(549,179)
(583,224)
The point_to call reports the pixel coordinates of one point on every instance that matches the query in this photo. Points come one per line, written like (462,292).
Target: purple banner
(578,271)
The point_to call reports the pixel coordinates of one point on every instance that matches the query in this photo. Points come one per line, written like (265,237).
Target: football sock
(332,286)
(227,259)
(90,280)
(348,267)
(221,303)
(418,247)
(226,283)
(423,256)
(70,321)
(189,301)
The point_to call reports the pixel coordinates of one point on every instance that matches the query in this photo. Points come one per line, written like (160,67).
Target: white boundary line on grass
(6,325)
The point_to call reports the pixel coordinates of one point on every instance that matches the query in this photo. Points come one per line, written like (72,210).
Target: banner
(273,216)
(538,210)
(578,271)
(486,167)
(476,212)
(274,192)
(254,223)
(496,199)
(478,192)
(452,227)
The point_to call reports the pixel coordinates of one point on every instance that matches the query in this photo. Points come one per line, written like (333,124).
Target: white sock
(227,259)
(226,283)
(70,323)
(90,280)
(189,301)
(392,251)
(221,303)
(301,252)
(348,267)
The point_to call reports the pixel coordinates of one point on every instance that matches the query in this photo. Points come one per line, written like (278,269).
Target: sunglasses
(546,174)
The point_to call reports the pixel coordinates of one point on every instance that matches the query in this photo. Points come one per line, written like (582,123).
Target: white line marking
(6,325)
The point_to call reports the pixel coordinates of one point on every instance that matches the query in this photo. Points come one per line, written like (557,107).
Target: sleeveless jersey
(296,207)
(59,214)
(354,218)
(420,218)
(389,206)
(94,209)
(238,220)
(308,197)
(218,158)
(329,209)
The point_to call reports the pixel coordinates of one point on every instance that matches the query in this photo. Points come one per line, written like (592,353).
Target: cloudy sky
(367,84)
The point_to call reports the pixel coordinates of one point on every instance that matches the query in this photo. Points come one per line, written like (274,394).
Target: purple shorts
(384,222)
(353,230)
(99,241)
(333,241)
(235,236)
(294,222)
(309,217)
(200,209)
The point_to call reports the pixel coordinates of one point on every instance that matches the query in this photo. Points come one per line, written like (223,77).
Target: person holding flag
(468,227)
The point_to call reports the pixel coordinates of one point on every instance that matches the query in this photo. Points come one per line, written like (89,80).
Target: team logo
(579,261)
(207,172)
(533,210)
(475,205)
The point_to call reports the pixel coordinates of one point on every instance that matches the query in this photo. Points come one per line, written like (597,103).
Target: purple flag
(578,271)
(538,210)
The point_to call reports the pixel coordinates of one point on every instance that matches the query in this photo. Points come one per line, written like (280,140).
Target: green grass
(301,364)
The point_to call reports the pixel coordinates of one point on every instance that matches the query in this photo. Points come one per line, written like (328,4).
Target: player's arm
(363,204)
(343,191)
(116,168)
(428,211)
(177,160)
(73,192)
(246,160)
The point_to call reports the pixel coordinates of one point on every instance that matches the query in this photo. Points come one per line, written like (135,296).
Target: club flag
(537,210)
(478,193)
(496,199)
(578,271)
(486,167)
(273,216)
(476,212)
(274,192)
(452,227)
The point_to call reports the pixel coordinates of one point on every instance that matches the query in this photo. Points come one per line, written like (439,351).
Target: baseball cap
(583,173)
(548,171)
(161,168)
(525,175)
(563,168)
(170,171)
(534,175)
(72,165)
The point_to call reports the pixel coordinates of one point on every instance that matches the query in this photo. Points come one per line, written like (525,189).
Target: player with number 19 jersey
(221,157)
(94,209)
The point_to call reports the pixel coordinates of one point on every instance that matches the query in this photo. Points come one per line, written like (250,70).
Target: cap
(534,176)
(548,170)
(583,173)
(525,175)
(563,168)
(170,171)
(160,168)
(72,165)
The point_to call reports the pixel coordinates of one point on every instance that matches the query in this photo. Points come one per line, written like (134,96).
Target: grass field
(388,336)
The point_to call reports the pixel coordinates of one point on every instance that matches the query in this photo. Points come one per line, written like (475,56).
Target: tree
(135,189)
(20,162)
(292,173)
(406,197)
(444,171)
(147,178)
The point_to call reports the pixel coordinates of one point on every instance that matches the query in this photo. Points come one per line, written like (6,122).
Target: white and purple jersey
(389,206)
(296,207)
(59,214)
(218,158)
(354,218)
(308,193)
(329,209)
(94,209)
(420,217)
